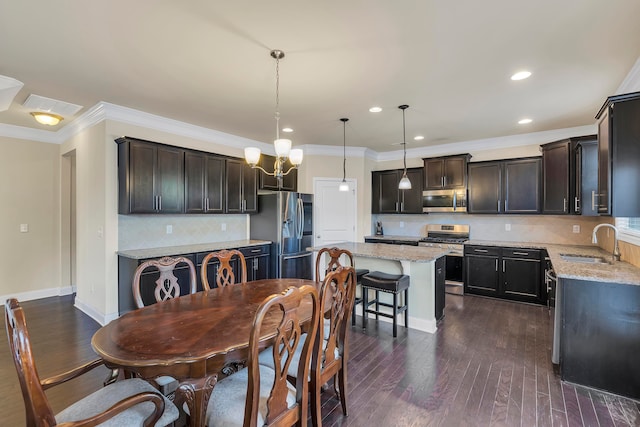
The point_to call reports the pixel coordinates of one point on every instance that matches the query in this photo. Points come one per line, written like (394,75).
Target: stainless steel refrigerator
(286,219)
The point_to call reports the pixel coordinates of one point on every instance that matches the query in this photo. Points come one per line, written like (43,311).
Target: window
(629,230)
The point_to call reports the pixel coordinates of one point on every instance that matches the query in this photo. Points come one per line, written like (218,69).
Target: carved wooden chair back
(167,285)
(330,353)
(289,336)
(333,263)
(225,275)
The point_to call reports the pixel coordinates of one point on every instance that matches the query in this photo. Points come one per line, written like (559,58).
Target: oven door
(444,201)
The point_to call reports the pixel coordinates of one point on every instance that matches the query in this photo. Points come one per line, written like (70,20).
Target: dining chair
(330,350)
(123,403)
(224,275)
(166,287)
(333,262)
(258,395)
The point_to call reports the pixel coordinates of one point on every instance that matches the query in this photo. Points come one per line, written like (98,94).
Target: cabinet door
(521,186)
(269,182)
(258,267)
(142,166)
(169,179)
(215,179)
(555,178)
(233,191)
(603,197)
(587,178)
(194,182)
(485,194)
(521,279)
(434,173)
(249,189)
(388,187)
(411,200)
(440,287)
(481,275)
(455,172)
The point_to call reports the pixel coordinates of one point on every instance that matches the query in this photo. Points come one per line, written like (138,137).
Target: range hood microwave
(444,201)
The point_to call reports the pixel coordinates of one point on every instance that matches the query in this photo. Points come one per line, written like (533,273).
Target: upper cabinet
(204,181)
(150,177)
(505,186)
(241,188)
(568,175)
(619,156)
(268,182)
(387,198)
(446,172)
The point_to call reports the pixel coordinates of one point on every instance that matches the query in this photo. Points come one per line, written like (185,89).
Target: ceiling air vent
(40,103)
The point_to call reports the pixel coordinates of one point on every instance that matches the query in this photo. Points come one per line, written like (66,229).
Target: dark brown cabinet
(268,182)
(204,180)
(508,273)
(506,186)
(258,262)
(241,191)
(619,156)
(387,198)
(446,172)
(568,175)
(150,177)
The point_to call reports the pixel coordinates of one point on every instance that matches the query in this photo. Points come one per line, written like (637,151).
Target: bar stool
(390,283)
(359,273)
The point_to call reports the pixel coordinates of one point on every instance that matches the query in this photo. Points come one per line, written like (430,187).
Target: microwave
(444,201)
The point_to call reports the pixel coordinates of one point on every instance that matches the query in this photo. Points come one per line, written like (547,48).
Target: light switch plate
(401,224)
(507,227)
(223,227)
(169,228)
(576,229)
(24,228)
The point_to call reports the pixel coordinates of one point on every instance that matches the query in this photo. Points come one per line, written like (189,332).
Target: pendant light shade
(344,186)
(404,183)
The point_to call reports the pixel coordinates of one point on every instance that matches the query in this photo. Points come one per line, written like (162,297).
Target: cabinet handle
(159,203)
(496,264)
(401,206)
(396,206)
(498,205)
(253,251)
(564,204)
(503,266)
(444,181)
(593,200)
(255,263)
(521,253)
(575,205)
(484,251)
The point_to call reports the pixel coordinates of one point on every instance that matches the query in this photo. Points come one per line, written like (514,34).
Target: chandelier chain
(277,97)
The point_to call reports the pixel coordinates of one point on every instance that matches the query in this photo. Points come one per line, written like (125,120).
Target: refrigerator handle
(300,219)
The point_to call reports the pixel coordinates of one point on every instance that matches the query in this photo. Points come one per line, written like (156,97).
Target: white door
(334,212)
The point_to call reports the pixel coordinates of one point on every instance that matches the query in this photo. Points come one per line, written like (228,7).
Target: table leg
(196,393)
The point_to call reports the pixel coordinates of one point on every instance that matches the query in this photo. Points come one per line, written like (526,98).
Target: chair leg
(377,305)
(395,314)
(365,305)
(316,407)
(406,310)
(342,379)
(353,312)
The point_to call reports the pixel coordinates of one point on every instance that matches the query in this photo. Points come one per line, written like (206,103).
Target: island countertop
(189,249)
(390,252)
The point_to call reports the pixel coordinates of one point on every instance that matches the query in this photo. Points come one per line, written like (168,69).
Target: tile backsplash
(150,231)
(557,229)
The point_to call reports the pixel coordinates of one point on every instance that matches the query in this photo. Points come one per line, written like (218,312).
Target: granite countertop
(188,249)
(391,252)
(613,272)
(392,237)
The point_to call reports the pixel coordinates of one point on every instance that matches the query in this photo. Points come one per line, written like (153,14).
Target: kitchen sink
(587,259)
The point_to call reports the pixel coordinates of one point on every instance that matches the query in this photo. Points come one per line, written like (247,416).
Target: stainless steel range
(451,237)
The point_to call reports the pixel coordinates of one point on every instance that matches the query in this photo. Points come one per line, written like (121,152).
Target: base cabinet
(508,273)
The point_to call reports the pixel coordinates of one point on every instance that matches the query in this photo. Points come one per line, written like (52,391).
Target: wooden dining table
(192,338)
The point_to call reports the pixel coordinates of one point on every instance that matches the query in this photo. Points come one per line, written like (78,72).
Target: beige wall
(30,194)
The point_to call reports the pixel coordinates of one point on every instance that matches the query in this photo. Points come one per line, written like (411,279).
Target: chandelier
(282,145)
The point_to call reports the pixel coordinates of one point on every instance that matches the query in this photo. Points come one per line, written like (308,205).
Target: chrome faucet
(616,249)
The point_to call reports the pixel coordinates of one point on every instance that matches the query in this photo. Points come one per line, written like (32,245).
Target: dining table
(193,338)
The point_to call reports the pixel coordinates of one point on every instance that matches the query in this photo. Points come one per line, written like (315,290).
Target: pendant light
(344,186)
(404,183)
(282,145)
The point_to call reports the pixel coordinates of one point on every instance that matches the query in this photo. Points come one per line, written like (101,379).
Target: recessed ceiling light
(287,130)
(375,109)
(48,119)
(524,121)
(521,75)
(418,137)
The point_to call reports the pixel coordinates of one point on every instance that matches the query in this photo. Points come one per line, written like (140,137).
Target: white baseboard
(420,324)
(39,294)
(101,318)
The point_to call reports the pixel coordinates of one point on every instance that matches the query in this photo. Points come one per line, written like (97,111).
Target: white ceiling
(207,63)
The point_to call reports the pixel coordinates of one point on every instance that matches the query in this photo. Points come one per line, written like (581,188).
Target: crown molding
(631,82)
(21,132)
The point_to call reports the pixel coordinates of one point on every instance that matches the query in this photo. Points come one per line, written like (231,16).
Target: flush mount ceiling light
(282,146)
(288,130)
(521,75)
(404,183)
(9,88)
(45,118)
(524,121)
(375,109)
(344,186)
(418,137)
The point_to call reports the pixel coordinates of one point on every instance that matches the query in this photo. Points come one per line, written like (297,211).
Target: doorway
(335,211)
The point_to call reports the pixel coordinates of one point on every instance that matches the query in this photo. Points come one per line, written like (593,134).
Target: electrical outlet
(576,229)
(223,227)
(507,227)
(169,228)
(24,228)
(401,224)
(100,232)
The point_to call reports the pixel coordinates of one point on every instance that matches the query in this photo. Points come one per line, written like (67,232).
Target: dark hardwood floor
(488,364)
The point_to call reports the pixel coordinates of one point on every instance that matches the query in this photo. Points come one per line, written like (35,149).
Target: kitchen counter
(408,239)
(616,272)
(417,254)
(189,249)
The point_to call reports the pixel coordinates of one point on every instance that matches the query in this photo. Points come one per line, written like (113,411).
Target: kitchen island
(419,263)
